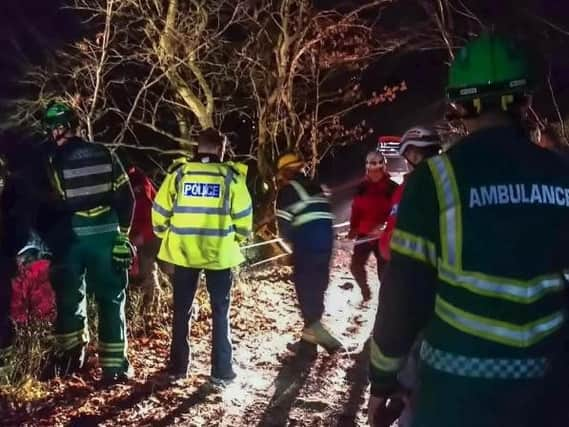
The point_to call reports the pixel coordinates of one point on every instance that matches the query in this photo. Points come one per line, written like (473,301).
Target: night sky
(30,28)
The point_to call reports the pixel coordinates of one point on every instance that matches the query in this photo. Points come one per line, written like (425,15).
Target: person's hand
(383,411)
(123,252)
(374,406)
(378,230)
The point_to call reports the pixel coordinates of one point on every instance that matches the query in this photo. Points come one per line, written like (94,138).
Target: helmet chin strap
(414,165)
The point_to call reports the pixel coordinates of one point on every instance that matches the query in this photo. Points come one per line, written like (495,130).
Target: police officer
(93,202)
(462,269)
(202,212)
(305,219)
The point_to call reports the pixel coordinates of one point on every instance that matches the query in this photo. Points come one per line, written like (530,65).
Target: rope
(268,260)
(266,242)
(289,251)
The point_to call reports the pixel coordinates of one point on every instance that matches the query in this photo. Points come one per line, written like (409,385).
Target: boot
(316,333)
(111,378)
(303,349)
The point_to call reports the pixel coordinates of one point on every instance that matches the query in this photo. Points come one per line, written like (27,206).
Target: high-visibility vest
(489,218)
(201,212)
(86,174)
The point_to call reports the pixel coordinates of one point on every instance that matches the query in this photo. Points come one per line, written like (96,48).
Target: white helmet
(420,137)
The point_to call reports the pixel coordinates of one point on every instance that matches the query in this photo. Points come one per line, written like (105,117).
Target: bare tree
(162,66)
(304,67)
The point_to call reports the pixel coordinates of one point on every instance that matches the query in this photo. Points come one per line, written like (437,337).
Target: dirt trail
(271,390)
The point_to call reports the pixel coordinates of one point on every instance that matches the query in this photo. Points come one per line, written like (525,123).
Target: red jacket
(144,193)
(371,205)
(385,238)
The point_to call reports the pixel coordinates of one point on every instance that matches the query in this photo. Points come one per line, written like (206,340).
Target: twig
(555,104)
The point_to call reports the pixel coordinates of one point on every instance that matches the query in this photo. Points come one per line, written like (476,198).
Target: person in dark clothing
(493,313)
(305,219)
(92,204)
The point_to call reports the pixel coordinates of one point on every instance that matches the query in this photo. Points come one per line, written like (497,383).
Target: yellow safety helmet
(289,160)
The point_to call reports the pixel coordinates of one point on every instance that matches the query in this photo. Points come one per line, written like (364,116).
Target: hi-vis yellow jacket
(201,212)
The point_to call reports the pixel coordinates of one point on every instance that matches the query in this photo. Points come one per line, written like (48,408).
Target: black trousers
(362,252)
(311,276)
(218,284)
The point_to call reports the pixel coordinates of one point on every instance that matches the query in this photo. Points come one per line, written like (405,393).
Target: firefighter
(493,311)
(417,144)
(305,220)
(202,212)
(370,209)
(93,204)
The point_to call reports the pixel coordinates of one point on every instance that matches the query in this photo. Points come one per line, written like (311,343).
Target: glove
(383,411)
(123,252)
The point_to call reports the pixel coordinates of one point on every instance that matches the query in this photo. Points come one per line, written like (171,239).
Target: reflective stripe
(382,362)
(159,229)
(112,362)
(300,190)
(106,360)
(87,170)
(99,210)
(450,208)
(496,330)
(68,345)
(71,340)
(200,210)
(524,292)
(414,247)
(112,346)
(162,211)
(300,205)
(86,191)
(70,334)
(287,216)
(95,229)
(244,213)
(123,179)
(489,368)
(312,216)
(194,231)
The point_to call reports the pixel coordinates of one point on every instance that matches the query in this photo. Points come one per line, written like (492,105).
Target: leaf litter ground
(273,388)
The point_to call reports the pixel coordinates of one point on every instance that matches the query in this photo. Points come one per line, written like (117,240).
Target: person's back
(304,219)
(478,257)
(311,229)
(202,230)
(202,212)
(91,202)
(499,304)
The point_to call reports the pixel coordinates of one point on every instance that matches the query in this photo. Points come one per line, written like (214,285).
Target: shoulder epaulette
(180,161)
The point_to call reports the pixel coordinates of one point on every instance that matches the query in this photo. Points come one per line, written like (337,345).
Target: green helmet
(488,66)
(58,114)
